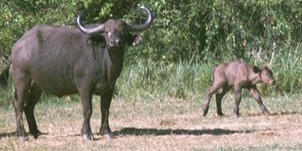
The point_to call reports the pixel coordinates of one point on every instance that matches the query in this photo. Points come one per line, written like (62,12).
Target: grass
(169,124)
(150,80)
(158,107)
(186,80)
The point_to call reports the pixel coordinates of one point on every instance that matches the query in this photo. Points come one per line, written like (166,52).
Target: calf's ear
(135,40)
(265,68)
(256,69)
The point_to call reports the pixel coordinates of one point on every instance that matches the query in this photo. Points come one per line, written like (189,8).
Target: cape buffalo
(237,75)
(64,60)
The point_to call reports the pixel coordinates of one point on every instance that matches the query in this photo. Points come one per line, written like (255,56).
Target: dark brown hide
(65,60)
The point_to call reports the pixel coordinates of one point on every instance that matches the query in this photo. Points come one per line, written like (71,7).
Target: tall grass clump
(287,69)
(157,81)
(187,80)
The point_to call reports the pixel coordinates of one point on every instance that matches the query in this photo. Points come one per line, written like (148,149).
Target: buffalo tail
(4,76)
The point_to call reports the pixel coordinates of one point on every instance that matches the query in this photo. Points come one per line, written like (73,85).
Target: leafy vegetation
(187,39)
(160,92)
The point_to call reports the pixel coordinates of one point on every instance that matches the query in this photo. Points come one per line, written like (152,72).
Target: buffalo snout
(115,43)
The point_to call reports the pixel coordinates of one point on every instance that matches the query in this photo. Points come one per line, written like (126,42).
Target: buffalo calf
(237,75)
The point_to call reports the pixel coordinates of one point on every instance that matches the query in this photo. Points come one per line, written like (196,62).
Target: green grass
(148,80)
(151,80)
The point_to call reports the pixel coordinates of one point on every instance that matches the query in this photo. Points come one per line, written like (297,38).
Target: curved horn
(99,28)
(146,24)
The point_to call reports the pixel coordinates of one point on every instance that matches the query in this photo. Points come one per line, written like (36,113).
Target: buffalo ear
(135,40)
(256,69)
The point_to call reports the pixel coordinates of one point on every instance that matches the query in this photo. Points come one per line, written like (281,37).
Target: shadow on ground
(8,134)
(153,131)
(275,113)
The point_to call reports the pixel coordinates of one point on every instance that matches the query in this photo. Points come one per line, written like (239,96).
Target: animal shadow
(159,132)
(14,134)
(275,113)
(8,134)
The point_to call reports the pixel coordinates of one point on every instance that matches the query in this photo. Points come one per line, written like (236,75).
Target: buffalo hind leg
(21,94)
(214,88)
(33,98)
(219,97)
(105,106)
(86,96)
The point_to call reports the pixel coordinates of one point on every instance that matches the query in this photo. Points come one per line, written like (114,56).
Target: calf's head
(265,74)
(117,32)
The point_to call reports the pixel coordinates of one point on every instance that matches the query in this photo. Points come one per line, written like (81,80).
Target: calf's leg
(209,94)
(237,91)
(219,97)
(256,95)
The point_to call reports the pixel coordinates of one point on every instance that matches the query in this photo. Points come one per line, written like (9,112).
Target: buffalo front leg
(105,105)
(33,98)
(86,97)
(256,95)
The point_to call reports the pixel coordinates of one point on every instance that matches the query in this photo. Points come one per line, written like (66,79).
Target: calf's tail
(4,76)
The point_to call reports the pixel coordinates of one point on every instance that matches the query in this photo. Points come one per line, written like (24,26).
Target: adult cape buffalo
(64,60)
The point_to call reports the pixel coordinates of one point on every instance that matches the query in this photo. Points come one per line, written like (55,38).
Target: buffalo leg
(86,97)
(21,93)
(33,98)
(209,95)
(219,97)
(237,91)
(256,95)
(105,105)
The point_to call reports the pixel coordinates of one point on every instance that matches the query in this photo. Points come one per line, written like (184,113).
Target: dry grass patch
(168,124)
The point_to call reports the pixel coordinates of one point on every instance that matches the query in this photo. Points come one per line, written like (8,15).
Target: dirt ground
(163,125)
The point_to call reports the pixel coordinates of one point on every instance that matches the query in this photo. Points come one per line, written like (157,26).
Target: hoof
(87,137)
(204,113)
(23,138)
(108,136)
(220,114)
(106,132)
(37,134)
(267,113)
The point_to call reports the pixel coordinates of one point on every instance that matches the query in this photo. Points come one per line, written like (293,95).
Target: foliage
(194,32)
(222,30)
